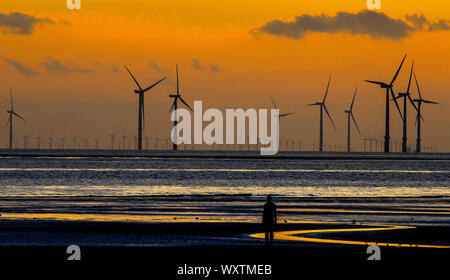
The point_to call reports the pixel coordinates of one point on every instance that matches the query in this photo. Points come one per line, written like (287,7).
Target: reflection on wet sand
(294,236)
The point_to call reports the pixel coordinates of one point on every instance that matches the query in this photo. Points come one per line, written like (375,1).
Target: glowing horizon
(67,75)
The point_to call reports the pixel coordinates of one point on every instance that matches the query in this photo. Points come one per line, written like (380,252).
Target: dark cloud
(21,68)
(21,24)
(159,68)
(154,65)
(114,68)
(197,65)
(54,66)
(376,25)
(441,25)
(370,23)
(215,68)
(418,21)
(421,23)
(65,22)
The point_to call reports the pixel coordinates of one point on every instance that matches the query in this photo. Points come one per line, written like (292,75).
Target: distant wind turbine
(175,107)
(141,92)
(389,90)
(419,115)
(11,113)
(279,116)
(323,106)
(350,115)
(406,95)
(112,139)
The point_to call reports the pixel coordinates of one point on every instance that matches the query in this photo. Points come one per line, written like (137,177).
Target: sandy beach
(214,243)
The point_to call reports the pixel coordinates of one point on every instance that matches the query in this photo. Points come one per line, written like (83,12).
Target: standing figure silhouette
(269,219)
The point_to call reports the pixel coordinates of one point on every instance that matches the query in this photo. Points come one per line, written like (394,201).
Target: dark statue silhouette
(269,219)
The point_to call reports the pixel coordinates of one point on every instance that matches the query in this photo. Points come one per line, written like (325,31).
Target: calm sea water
(166,176)
(412,192)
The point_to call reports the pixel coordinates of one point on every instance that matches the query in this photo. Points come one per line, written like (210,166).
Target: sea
(190,189)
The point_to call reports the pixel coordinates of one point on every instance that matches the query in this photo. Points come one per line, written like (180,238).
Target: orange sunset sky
(66,66)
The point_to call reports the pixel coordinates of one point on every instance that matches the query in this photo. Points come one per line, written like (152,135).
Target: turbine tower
(419,116)
(279,116)
(112,139)
(350,115)
(141,92)
(323,106)
(12,113)
(388,88)
(175,107)
(405,111)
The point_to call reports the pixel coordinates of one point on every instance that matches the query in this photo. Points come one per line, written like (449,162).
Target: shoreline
(220,154)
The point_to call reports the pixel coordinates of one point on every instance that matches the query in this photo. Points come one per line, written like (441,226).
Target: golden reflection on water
(361,211)
(120,218)
(294,236)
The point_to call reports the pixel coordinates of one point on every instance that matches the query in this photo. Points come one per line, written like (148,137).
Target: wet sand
(115,241)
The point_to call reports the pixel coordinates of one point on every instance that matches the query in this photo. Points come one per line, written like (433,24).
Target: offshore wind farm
(327,116)
(127,143)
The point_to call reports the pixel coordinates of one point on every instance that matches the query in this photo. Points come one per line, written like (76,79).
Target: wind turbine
(112,139)
(323,106)
(405,111)
(350,115)
(141,92)
(11,113)
(419,116)
(279,116)
(175,107)
(388,88)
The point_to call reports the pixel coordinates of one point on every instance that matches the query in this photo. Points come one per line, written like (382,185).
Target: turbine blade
(410,76)
(397,97)
(353,101)
(17,115)
(419,116)
(329,116)
(374,82)
(273,102)
(326,92)
(429,102)
(184,102)
(154,84)
(396,103)
(398,70)
(133,78)
(314,104)
(10,93)
(284,115)
(417,85)
(412,102)
(7,121)
(178,92)
(173,105)
(353,118)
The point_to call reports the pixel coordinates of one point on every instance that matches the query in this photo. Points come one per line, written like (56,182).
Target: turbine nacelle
(403,94)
